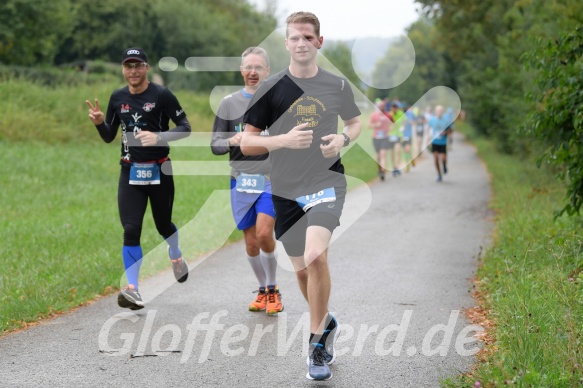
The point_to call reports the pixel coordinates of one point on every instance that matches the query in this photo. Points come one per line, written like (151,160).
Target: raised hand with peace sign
(95,114)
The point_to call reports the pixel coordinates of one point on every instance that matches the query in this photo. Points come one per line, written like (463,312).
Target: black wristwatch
(346,139)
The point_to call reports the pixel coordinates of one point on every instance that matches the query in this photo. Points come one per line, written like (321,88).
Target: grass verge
(530,281)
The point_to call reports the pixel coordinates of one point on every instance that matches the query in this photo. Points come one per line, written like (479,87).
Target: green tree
(340,55)
(430,70)
(558,121)
(219,28)
(468,33)
(210,28)
(32,31)
(104,28)
(485,40)
(176,28)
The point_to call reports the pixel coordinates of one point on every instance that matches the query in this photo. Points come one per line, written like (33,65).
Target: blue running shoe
(330,336)
(317,367)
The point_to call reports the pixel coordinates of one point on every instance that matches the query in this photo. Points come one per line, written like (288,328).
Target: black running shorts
(380,144)
(440,149)
(291,222)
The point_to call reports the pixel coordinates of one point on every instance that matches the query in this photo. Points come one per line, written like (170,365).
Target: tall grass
(531,279)
(61,237)
(58,115)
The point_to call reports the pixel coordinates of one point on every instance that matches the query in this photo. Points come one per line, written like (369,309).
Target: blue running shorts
(246,206)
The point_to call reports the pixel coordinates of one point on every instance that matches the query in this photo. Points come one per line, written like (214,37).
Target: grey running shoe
(130,298)
(180,268)
(317,367)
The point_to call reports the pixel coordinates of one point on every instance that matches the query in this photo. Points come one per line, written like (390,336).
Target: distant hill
(368,51)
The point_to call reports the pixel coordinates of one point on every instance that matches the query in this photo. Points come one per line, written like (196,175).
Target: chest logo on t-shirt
(307,109)
(136,116)
(148,106)
(125,108)
(136,123)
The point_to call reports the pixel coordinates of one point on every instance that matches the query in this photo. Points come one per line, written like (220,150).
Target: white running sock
(268,259)
(257,265)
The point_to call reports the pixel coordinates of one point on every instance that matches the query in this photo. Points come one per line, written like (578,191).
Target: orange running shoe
(260,302)
(274,304)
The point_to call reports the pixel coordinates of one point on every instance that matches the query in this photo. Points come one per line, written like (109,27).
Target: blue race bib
(311,200)
(380,135)
(145,173)
(250,183)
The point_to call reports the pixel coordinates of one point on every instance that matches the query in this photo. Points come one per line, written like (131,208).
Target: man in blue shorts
(300,106)
(251,200)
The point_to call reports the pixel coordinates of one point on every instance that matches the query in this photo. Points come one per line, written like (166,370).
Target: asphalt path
(401,267)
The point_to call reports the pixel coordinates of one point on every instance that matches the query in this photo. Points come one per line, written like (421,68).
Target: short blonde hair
(304,17)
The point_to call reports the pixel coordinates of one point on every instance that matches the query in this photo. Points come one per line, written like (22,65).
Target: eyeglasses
(135,65)
(258,69)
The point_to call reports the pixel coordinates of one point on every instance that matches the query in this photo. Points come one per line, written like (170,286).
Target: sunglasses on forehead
(135,65)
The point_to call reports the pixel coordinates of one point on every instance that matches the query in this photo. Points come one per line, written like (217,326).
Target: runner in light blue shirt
(439,125)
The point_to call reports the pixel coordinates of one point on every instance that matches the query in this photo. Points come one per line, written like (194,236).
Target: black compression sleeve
(181,130)
(107,132)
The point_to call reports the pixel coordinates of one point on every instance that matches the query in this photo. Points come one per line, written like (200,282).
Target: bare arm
(352,128)
(336,141)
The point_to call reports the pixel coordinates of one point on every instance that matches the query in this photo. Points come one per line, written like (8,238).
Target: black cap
(134,53)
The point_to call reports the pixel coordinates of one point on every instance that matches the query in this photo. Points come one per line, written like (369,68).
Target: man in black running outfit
(300,106)
(143,110)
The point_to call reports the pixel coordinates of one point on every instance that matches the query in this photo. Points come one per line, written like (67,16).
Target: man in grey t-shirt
(251,200)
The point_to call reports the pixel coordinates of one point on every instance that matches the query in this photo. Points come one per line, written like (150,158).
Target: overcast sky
(350,19)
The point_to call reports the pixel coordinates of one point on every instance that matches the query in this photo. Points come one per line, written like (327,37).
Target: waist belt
(159,161)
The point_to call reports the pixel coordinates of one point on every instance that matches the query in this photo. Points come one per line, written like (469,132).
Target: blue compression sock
(132,260)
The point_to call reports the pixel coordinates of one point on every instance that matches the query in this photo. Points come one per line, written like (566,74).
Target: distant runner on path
(440,129)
